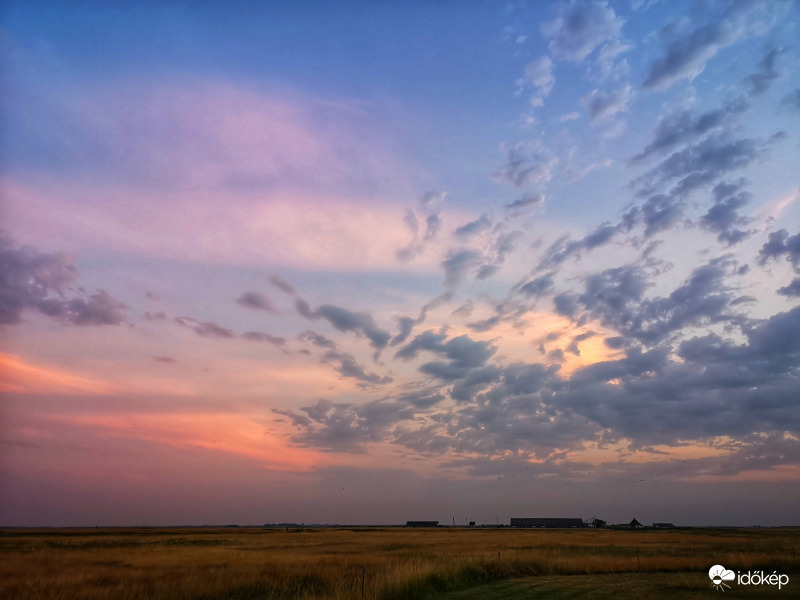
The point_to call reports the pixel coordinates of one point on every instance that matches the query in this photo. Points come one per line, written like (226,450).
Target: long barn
(546,522)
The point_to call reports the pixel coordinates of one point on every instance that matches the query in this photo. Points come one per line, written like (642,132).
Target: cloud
(475,227)
(432,225)
(564,248)
(282,285)
(258,336)
(345,427)
(361,323)
(792,100)
(781,243)
(711,387)
(762,79)
(698,164)
(707,156)
(682,126)
(164,359)
(458,265)
(723,217)
(524,203)
(574,344)
(417,246)
(463,354)
(538,286)
(577,174)
(615,297)
(316,339)
(343,363)
(342,319)
(411,220)
(347,366)
(433,199)
(28,278)
(717,388)
(422,399)
(257,301)
(204,328)
(221,135)
(659,212)
(602,105)
(686,53)
(529,164)
(33,280)
(580,26)
(487,264)
(263,155)
(97,309)
(304,309)
(406,327)
(792,290)
(539,74)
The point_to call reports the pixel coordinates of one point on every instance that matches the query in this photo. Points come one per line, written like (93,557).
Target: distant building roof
(422,523)
(545,522)
(664,525)
(635,523)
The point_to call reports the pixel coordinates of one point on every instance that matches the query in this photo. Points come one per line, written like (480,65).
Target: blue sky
(476,258)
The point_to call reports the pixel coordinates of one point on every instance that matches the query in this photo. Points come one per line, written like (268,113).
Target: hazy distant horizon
(359,262)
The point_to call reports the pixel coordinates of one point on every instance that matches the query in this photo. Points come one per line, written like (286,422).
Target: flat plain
(246,563)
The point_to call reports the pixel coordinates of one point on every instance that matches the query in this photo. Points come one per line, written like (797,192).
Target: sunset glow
(369,262)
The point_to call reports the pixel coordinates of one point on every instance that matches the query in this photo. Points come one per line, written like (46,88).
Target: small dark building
(635,523)
(546,522)
(663,525)
(422,523)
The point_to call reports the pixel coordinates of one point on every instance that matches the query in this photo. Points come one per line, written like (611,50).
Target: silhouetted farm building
(663,525)
(546,522)
(422,523)
(635,524)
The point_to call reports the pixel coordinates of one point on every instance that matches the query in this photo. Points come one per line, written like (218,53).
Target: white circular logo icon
(719,575)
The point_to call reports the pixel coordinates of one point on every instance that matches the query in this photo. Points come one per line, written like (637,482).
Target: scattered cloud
(258,336)
(686,52)
(580,27)
(42,282)
(282,285)
(524,203)
(602,105)
(529,164)
(257,301)
(204,328)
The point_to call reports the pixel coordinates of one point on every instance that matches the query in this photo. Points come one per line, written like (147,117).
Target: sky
(364,263)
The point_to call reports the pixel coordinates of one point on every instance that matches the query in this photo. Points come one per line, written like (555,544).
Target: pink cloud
(291,228)
(215,172)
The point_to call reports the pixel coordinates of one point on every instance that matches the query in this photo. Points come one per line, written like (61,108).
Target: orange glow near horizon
(23,377)
(620,453)
(236,434)
(778,473)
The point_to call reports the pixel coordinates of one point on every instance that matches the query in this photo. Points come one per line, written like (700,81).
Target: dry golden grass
(249,563)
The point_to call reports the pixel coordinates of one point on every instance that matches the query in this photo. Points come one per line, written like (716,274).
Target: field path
(617,585)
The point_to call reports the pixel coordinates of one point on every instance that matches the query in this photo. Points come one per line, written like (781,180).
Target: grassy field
(391,563)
